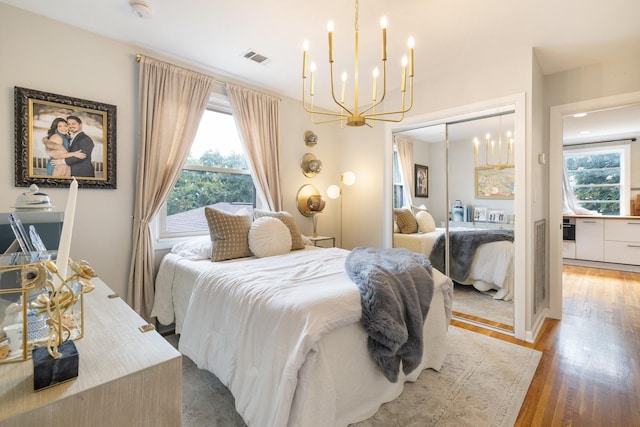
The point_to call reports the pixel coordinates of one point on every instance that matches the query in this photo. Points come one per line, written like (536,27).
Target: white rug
(483,382)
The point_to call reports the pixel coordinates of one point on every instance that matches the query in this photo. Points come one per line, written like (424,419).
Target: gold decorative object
(59,299)
(310,138)
(310,165)
(42,307)
(352,116)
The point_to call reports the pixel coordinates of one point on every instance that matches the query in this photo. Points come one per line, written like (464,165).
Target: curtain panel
(257,116)
(172,101)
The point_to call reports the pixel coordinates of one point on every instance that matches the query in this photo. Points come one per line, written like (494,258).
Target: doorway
(556,137)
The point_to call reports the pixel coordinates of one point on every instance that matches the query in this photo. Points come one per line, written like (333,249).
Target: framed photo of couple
(59,138)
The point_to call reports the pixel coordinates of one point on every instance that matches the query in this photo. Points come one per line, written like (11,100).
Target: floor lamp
(335,192)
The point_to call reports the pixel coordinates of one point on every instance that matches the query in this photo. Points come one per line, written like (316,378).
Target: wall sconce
(310,203)
(310,165)
(310,138)
(334,192)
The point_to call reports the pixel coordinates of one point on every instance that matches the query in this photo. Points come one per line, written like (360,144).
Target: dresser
(126,377)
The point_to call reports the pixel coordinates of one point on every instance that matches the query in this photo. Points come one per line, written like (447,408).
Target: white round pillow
(268,236)
(425,222)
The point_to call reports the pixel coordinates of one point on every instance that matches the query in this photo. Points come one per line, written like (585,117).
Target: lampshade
(333,192)
(349,178)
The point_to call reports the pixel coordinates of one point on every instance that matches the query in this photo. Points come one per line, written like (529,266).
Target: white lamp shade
(333,192)
(348,178)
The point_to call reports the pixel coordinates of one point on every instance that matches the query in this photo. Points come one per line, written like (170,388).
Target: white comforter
(492,266)
(337,382)
(288,299)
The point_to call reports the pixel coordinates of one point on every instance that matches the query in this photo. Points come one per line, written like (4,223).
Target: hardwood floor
(589,373)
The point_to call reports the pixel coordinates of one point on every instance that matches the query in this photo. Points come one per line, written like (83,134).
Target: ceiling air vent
(255,56)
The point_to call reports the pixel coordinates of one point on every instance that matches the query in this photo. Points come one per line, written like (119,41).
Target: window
(599,177)
(214,174)
(398,195)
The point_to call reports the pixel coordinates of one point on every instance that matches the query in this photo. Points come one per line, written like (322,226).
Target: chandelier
(353,116)
(493,151)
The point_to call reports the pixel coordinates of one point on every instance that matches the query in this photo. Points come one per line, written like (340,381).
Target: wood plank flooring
(589,373)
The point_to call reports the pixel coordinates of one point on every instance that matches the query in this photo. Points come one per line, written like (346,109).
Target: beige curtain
(172,102)
(405,158)
(257,116)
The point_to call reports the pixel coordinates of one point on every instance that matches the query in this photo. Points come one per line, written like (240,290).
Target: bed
(490,269)
(328,379)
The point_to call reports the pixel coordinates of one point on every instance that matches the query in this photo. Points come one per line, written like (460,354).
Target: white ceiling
(213,35)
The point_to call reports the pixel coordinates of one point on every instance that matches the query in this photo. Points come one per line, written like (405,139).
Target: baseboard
(604,265)
(531,336)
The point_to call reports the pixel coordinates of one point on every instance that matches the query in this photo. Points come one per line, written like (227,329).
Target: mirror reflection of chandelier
(493,151)
(352,116)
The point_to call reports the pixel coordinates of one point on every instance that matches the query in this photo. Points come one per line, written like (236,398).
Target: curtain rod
(601,142)
(222,82)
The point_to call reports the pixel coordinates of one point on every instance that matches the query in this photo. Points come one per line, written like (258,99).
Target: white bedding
(492,266)
(319,373)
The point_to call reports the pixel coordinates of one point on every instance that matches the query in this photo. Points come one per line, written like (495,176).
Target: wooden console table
(126,377)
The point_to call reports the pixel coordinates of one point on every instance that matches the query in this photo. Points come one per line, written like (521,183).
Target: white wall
(104,70)
(44,55)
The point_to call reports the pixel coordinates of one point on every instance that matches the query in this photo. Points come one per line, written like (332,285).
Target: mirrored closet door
(466,211)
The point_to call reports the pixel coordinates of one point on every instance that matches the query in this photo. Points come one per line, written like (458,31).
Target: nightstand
(317,239)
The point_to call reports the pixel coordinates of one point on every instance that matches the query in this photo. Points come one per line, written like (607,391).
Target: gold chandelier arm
(333,94)
(384,88)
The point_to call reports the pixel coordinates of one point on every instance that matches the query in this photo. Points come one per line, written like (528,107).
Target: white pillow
(268,236)
(194,249)
(425,222)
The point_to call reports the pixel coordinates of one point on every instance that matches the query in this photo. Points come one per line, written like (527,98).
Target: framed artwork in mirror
(58,138)
(495,183)
(421,180)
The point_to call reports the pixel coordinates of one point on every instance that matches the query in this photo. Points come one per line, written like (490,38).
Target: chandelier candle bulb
(475,151)
(313,78)
(375,84)
(404,74)
(305,47)
(411,44)
(344,82)
(383,24)
(330,30)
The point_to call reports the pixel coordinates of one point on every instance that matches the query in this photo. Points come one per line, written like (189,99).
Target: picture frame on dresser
(53,130)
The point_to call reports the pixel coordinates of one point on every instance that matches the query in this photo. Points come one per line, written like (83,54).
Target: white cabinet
(568,249)
(590,239)
(622,241)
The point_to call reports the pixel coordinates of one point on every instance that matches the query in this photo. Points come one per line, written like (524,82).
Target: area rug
(483,382)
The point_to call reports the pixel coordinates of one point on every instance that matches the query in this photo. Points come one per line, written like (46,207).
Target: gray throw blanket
(463,245)
(396,288)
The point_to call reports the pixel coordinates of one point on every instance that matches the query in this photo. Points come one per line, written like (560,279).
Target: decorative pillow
(194,249)
(396,229)
(229,234)
(269,236)
(406,221)
(425,222)
(296,237)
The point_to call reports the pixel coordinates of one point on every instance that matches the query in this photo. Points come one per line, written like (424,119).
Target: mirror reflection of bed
(465,225)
